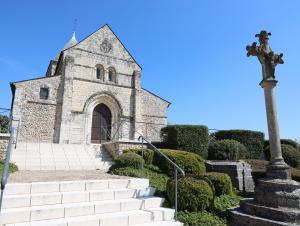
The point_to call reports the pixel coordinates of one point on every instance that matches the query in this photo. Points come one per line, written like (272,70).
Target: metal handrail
(176,167)
(141,138)
(6,168)
(7,157)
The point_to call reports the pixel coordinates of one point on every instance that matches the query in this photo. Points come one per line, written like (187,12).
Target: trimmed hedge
(129,159)
(191,163)
(253,140)
(191,138)
(221,182)
(148,154)
(290,155)
(284,141)
(193,194)
(226,150)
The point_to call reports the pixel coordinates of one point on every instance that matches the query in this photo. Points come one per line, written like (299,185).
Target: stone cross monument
(277,168)
(276,199)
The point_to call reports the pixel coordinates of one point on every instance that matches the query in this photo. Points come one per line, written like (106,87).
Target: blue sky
(192,52)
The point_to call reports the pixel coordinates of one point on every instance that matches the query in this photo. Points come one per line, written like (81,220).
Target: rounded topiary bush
(129,159)
(193,194)
(148,154)
(290,155)
(226,150)
(221,182)
(191,163)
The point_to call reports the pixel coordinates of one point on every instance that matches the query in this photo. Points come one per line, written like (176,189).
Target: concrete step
(278,214)
(126,218)
(46,212)
(39,199)
(162,223)
(238,218)
(67,186)
(48,156)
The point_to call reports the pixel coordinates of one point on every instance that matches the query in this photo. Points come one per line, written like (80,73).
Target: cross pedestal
(276,198)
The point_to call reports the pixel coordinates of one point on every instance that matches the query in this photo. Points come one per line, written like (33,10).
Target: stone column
(276,197)
(136,104)
(66,114)
(277,168)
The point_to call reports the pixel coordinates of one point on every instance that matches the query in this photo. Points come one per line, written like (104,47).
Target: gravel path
(60,175)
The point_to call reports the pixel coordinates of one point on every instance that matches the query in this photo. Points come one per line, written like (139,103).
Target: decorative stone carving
(265,55)
(276,198)
(105,46)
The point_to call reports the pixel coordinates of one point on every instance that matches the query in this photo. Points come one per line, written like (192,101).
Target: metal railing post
(6,167)
(176,193)
(142,164)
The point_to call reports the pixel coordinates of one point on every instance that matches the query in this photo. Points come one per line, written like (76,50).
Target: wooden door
(101,124)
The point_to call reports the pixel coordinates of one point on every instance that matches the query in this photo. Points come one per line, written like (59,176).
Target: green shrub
(12,167)
(148,154)
(192,138)
(200,219)
(221,182)
(290,155)
(128,160)
(226,150)
(223,203)
(193,194)
(191,163)
(284,141)
(253,140)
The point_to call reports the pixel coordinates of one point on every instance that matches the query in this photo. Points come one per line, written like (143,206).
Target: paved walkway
(59,175)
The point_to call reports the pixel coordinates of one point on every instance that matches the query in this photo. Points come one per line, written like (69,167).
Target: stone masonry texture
(75,90)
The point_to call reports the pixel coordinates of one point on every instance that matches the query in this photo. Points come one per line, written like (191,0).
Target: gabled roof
(106,25)
(169,103)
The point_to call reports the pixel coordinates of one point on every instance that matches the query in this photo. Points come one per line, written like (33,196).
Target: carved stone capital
(268,83)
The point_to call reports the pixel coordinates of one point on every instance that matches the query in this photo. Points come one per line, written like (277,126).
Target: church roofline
(169,103)
(32,79)
(113,34)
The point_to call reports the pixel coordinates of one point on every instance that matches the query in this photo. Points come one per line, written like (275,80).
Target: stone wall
(117,148)
(4,138)
(154,115)
(37,116)
(239,172)
(66,117)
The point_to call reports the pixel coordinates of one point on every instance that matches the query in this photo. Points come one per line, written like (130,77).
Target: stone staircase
(114,202)
(49,156)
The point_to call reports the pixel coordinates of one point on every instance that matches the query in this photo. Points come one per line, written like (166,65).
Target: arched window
(100,72)
(112,75)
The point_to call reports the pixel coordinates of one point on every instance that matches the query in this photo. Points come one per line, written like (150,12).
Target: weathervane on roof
(75,25)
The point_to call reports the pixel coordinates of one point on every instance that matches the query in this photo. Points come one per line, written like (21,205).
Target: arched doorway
(101,124)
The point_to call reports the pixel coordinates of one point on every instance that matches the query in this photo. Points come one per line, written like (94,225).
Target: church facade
(91,93)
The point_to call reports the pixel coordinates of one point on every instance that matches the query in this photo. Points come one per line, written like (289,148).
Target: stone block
(239,172)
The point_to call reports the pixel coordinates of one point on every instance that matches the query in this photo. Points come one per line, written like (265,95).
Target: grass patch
(203,218)
(12,167)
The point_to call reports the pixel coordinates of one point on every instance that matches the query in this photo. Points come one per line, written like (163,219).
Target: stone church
(91,91)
